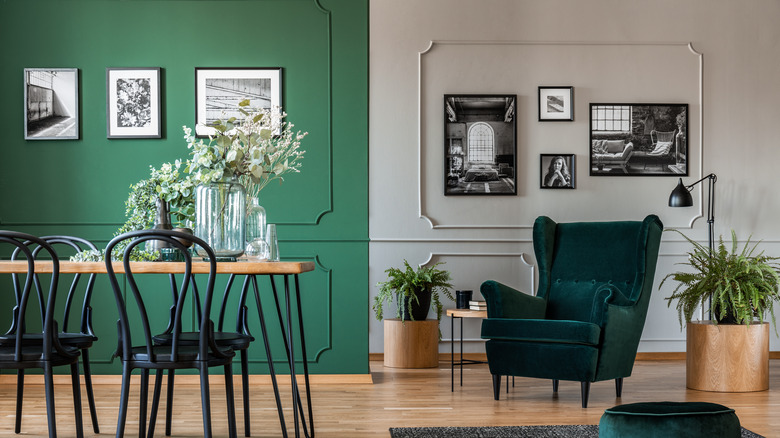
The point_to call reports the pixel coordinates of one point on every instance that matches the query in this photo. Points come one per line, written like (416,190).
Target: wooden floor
(407,398)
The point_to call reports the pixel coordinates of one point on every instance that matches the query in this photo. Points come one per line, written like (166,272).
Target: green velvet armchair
(586,319)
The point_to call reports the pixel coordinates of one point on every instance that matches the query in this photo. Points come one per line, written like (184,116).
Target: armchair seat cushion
(541,330)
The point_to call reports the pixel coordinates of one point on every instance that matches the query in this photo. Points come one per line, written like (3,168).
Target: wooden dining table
(252,269)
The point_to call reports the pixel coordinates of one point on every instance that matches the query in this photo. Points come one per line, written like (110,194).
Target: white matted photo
(556,104)
(556,171)
(51,103)
(133,102)
(219,90)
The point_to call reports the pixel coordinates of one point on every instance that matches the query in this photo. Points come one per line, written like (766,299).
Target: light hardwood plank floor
(400,398)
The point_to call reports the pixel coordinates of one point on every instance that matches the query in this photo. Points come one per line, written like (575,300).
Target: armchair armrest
(506,302)
(607,295)
(628,150)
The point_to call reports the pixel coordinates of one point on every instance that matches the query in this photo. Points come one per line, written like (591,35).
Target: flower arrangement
(166,183)
(257,149)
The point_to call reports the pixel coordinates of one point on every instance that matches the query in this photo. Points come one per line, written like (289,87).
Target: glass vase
(219,217)
(256,245)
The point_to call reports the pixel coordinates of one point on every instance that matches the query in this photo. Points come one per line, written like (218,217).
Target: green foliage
(141,208)
(742,285)
(408,283)
(257,148)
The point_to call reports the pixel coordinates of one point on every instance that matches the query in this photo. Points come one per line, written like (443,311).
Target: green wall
(78,187)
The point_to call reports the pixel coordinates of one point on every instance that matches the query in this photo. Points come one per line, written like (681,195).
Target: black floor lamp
(681,197)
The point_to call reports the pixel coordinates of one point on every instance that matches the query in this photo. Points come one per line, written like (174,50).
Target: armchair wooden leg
(496,386)
(619,387)
(585,387)
(555,385)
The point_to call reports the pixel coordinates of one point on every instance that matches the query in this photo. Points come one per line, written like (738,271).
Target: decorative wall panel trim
(422,214)
(522,256)
(326,313)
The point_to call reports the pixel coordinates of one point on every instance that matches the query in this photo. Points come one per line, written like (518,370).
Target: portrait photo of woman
(557,171)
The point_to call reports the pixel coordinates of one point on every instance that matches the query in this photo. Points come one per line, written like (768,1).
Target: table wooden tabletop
(240,267)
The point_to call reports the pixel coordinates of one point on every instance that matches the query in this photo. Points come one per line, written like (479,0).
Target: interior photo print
(638,139)
(51,104)
(480,133)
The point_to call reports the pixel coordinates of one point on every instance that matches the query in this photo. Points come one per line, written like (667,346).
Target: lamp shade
(680,196)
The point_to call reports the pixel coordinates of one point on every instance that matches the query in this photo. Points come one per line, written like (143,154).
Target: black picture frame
(480,144)
(133,97)
(219,89)
(639,139)
(51,104)
(556,104)
(563,178)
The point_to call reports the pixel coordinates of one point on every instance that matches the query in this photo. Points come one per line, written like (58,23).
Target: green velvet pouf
(670,420)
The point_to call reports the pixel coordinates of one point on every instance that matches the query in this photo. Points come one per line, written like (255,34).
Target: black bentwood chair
(238,340)
(147,355)
(47,352)
(84,337)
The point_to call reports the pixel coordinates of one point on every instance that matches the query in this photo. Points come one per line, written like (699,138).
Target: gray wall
(720,57)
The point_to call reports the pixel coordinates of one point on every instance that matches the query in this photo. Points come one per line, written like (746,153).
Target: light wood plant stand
(411,344)
(727,358)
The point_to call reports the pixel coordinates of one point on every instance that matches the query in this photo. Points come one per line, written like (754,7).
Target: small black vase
(419,308)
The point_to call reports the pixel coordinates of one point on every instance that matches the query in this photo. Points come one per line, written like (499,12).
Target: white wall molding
(421,193)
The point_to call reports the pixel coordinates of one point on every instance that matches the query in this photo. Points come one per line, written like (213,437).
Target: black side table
(460,314)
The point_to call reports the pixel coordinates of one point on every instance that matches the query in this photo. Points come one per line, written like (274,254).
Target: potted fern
(413,290)
(740,288)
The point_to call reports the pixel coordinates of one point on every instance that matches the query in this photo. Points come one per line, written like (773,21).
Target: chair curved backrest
(576,259)
(75,244)
(174,239)
(46,297)
(665,136)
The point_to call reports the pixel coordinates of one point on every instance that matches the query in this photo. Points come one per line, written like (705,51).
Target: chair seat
(541,330)
(78,340)
(236,341)
(34,353)
(186,354)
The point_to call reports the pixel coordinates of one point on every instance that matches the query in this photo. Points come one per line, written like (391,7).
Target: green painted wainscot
(78,187)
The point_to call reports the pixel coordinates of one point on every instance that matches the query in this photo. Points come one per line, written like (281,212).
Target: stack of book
(477,305)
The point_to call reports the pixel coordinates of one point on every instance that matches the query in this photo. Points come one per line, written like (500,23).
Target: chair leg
(555,385)
(496,386)
(204,400)
(619,387)
(245,389)
(585,388)
(74,375)
(88,386)
(19,399)
(231,402)
(49,388)
(155,402)
(144,399)
(169,402)
(125,393)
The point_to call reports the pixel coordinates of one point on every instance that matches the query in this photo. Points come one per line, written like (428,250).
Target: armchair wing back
(585,322)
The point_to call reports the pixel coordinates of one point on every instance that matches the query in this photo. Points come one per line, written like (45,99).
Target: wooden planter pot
(411,344)
(726,357)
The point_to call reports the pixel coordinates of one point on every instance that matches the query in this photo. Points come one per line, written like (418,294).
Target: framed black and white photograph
(133,102)
(480,144)
(556,171)
(556,104)
(219,90)
(645,139)
(51,103)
